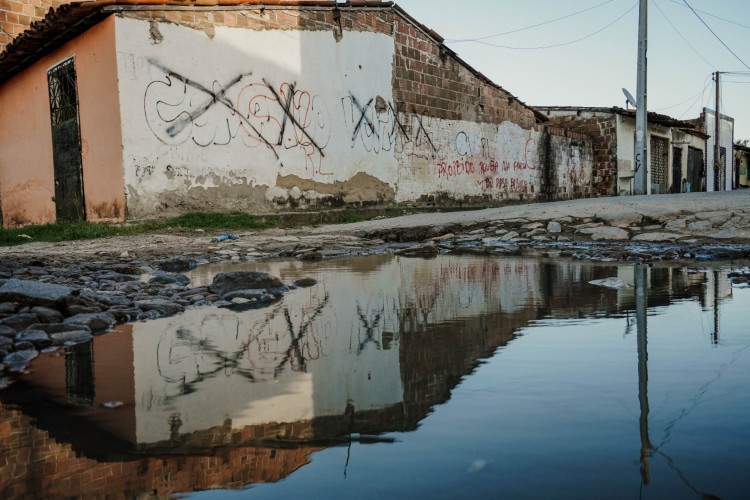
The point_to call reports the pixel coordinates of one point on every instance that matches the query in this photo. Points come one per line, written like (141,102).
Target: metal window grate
(659,162)
(63,96)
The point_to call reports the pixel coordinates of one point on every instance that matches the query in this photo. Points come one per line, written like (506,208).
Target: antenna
(630,99)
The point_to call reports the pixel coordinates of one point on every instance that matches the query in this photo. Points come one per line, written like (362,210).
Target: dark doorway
(696,174)
(66,141)
(676,170)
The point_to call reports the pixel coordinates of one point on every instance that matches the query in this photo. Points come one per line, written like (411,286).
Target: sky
(683,53)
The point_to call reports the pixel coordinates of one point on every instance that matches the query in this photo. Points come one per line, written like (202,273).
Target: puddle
(392,376)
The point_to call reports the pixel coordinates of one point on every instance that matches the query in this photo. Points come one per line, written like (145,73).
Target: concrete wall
(277,110)
(27,186)
(726,140)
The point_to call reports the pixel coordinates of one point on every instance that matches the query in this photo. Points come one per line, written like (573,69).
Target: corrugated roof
(70,20)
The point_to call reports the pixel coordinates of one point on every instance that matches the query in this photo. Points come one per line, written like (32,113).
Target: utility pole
(641,109)
(718,171)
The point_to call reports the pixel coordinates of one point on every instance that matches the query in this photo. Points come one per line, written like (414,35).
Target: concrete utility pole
(641,110)
(718,171)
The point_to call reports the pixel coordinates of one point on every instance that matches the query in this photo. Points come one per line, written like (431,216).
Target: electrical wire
(706,85)
(678,2)
(559,44)
(528,27)
(693,98)
(681,36)
(714,34)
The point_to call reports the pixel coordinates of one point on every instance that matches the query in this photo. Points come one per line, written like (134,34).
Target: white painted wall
(285,105)
(726,140)
(293,103)
(462,158)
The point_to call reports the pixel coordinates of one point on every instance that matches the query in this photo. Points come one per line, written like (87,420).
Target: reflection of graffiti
(179,109)
(191,356)
(373,330)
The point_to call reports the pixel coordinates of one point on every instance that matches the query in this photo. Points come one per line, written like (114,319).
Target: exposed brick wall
(34,465)
(602,131)
(17,15)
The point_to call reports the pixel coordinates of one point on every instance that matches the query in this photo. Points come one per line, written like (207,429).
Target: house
(741,162)
(120,109)
(720,177)
(676,148)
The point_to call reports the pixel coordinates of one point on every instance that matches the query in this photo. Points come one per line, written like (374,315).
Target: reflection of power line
(696,400)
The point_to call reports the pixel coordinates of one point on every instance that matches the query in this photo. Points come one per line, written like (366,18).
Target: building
(676,148)
(741,162)
(113,110)
(720,177)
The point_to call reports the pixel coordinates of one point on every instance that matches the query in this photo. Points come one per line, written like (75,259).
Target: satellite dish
(629,97)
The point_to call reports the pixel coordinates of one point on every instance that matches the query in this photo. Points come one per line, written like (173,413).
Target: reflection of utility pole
(641,308)
(715,334)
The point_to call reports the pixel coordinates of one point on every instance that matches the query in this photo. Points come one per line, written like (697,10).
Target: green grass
(67,231)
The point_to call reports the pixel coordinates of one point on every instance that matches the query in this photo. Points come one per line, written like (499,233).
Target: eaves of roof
(70,20)
(654,118)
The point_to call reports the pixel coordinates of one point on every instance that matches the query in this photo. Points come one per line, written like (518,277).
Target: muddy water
(454,376)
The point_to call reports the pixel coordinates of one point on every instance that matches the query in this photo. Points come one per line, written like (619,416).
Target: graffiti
(179,109)
(379,126)
(288,118)
(144,171)
(466,144)
(374,127)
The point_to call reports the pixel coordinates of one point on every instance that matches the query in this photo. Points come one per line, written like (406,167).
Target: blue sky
(682,52)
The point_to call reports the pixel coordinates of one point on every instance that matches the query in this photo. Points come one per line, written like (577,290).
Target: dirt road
(686,218)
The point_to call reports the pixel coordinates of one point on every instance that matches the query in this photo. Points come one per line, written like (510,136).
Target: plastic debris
(225,237)
(112,404)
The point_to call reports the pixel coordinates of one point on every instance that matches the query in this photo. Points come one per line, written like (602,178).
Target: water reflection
(375,347)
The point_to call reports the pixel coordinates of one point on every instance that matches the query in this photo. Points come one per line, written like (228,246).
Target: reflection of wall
(35,465)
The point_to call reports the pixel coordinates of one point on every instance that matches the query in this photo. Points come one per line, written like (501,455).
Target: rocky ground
(53,294)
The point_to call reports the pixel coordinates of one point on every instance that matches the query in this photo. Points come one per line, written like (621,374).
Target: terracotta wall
(26,166)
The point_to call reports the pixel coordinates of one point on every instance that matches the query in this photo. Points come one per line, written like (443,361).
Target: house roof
(655,118)
(744,149)
(71,19)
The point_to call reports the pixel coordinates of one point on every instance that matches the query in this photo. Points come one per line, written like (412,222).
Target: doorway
(66,141)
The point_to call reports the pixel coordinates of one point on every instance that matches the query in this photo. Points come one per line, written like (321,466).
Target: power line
(717,36)
(706,85)
(693,98)
(681,36)
(528,27)
(712,15)
(559,44)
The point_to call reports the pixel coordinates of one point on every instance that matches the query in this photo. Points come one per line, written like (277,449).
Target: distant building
(676,149)
(741,162)
(720,177)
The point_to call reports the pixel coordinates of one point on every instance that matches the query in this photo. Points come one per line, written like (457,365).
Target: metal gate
(659,163)
(66,141)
